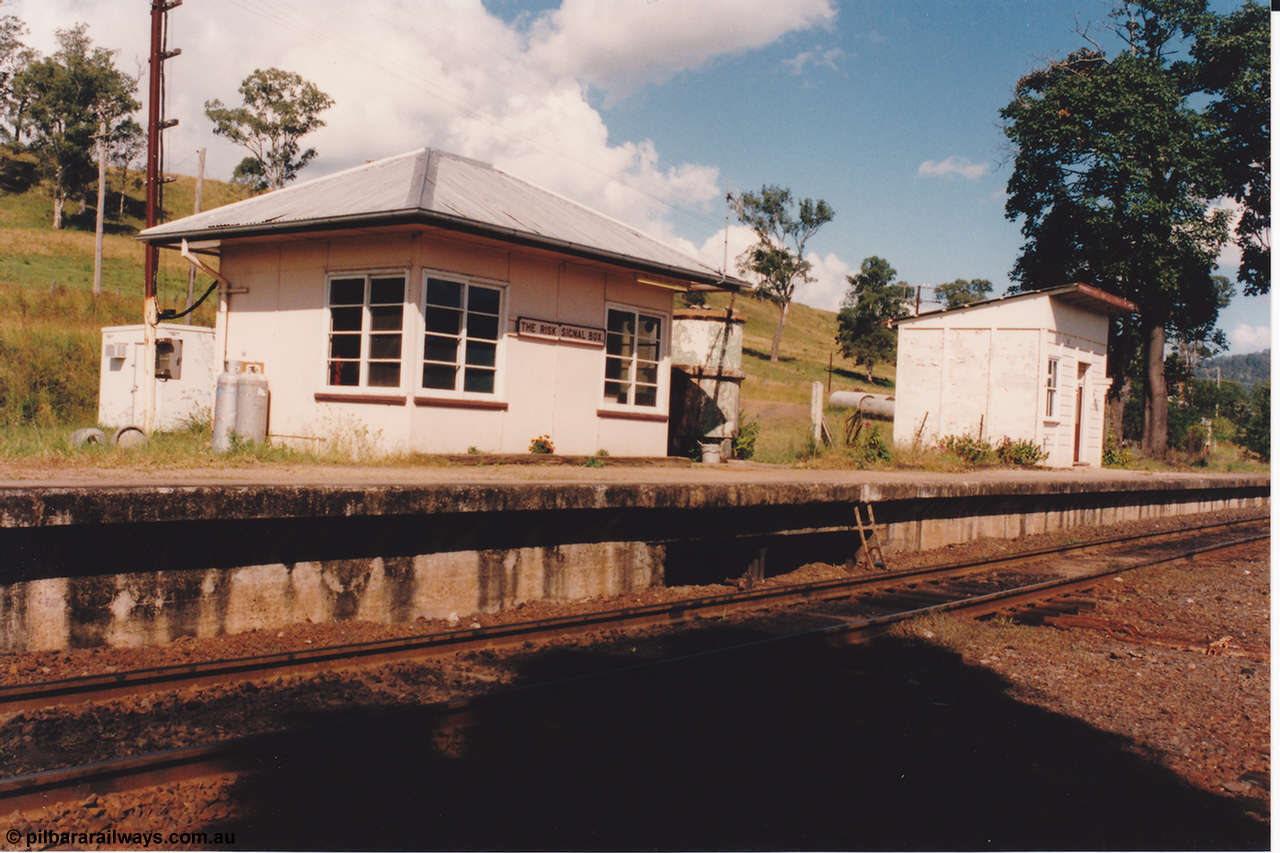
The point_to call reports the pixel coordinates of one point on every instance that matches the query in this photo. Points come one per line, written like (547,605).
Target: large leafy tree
(76,97)
(864,327)
(1232,56)
(782,228)
(279,109)
(1118,161)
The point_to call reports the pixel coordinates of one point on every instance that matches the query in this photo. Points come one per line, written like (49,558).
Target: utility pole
(191,273)
(155,124)
(102,202)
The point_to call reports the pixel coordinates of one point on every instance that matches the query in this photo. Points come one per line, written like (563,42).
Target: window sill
(461,403)
(619,414)
(373,399)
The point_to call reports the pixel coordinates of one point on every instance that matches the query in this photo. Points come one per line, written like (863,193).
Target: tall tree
(864,327)
(782,228)
(76,93)
(14,56)
(1232,56)
(963,291)
(1117,163)
(279,109)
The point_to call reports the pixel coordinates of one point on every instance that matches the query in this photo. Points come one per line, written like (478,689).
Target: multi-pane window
(633,346)
(1050,387)
(460,346)
(366,322)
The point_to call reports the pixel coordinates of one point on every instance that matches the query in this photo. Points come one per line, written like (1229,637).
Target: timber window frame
(635,354)
(461,348)
(366,332)
(1051,388)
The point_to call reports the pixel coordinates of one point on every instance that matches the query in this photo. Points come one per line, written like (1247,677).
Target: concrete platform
(126,559)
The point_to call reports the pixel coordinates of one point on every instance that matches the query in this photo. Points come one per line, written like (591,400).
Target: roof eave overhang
(698,280)
(1081,295)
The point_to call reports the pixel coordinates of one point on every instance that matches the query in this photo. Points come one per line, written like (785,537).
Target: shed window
(633,347)
(460,344)
(366,326)
(1051,388)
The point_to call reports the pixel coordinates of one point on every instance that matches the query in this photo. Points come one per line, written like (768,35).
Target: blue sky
(650,109)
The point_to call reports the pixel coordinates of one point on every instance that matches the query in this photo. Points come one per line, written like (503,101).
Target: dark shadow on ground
(897,745)
(764,354)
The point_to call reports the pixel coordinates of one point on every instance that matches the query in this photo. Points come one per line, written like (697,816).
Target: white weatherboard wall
(543,387)
(984,370)
(186,397)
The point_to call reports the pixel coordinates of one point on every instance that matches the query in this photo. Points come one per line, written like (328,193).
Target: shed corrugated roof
(1082,295)
(442,189)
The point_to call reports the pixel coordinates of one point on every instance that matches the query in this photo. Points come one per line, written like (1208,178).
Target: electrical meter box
(186,376)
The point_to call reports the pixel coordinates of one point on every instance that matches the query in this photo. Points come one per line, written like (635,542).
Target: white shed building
(1026,366)
(428,302)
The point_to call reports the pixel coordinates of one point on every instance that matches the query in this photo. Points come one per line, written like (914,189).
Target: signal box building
(428,302)
(1030,366)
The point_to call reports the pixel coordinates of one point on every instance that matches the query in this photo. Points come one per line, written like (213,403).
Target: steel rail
(107,686)
(244,754)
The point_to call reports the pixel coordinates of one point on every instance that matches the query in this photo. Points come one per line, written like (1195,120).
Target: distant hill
(1248,369)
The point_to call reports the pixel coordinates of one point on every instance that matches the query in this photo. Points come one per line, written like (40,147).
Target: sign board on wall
(529,327)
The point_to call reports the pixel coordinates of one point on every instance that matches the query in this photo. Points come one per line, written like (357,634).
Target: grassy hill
(778,394)
(1248,369)
(49,320)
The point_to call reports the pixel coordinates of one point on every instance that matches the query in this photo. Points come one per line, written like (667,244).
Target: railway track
(246,753)
(117,685)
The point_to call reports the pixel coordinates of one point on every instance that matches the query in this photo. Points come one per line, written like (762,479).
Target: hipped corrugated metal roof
(437,188)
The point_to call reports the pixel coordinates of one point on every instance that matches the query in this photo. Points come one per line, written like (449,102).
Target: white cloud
(620,45)
(815,58)
(953,167)
(458,78)
(1246,338)
(830,283)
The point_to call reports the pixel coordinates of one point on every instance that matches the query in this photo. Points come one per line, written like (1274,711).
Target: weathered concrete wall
(130,609)
(131,567)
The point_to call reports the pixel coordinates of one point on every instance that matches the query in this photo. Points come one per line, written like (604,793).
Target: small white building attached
(427,302)
(185,375)
(1026,366)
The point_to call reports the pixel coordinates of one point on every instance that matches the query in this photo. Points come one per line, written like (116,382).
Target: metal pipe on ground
(871,405)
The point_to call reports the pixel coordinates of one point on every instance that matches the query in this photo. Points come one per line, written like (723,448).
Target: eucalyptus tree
(14,56)
(782,228)
(279,108)
(76,97)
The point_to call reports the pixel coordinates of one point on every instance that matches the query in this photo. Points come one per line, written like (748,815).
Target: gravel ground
(1170,672)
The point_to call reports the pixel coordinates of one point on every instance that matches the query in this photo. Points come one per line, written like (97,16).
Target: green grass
(777,394)
(50,322)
